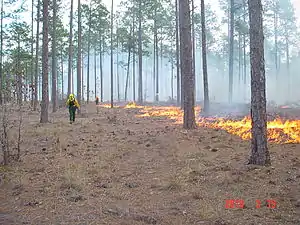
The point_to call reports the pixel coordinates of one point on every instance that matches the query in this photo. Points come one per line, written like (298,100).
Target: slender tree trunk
(240,57)
(194,46)
(276,39)
(54,60)
(231,48)
(259,154)
(204,61)
(287,62)
(72,78)
(172,80)
(101,69)
(1,55)
(88,55)
(140,88)
(154,63)
(133,58)
(19,73)
(45,97)
(112,56)
(32,53)
(117,75)
(146,77)
(177,54)
(186,47)
(36,75)
(62,75)
(244,49)
(127,76)
(95,72)
(70,62)
(26,82)
(82,77)
(156,57)
(79,53)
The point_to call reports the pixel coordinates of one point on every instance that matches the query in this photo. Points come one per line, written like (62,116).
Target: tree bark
(95,72)
(79,53)
(287,51)
(112,56)
(259,154)
(204,60)
(54,60)
(70,62)
(88,55)
(133,58)
(140,87)
(32,52)
(231,48)
(156,57)
(1,54)
(128,66)
(62,75)
(177,54)
(45,96)
(186,48)
(101,69)
(36,75)
(194,46)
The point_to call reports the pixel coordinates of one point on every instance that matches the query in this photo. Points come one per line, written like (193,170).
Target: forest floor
(113,167)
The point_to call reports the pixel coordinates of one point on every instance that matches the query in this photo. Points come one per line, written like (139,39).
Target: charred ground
(113,167)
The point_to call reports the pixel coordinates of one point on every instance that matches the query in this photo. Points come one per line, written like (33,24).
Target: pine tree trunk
(62,75)
(45,97)
(101,69)
(36,75)
(140,87)
(276,38)
(88,55)
(79,53)
(1,55)
(287,62)
(154,63)
(244,49)
(172,80)
(204,60)
(186,49)
(231,48)
(133,58)
(240,58)
(177,54)
(128,66)
(156,57)
(82,77)
(259,154)
(112,56)
(32,52)
(194,46)
(19,73)
(70,62)
(95,72)
(54,60)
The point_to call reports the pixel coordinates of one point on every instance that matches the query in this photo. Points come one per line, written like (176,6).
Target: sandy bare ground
(114,168)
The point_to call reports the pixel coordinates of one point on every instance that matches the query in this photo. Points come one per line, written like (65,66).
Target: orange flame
(279,131)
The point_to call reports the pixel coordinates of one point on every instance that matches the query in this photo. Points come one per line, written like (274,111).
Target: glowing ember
(278,131)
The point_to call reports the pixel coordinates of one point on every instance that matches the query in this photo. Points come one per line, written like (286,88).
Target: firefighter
(73,104)
(97,100)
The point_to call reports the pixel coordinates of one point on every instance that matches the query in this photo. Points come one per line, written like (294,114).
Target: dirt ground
(112,167)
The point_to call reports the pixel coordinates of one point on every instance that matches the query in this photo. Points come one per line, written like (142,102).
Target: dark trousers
(72,110)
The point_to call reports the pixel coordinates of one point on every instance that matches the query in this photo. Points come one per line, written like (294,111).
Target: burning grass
(279,131)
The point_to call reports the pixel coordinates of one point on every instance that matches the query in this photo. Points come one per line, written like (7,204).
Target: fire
(279,131)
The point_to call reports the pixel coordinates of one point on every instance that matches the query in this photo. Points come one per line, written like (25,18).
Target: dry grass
(111,167)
